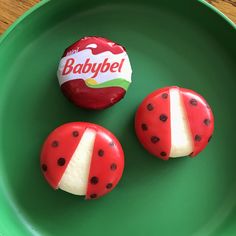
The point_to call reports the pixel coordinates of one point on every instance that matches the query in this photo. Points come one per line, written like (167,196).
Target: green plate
(182,43)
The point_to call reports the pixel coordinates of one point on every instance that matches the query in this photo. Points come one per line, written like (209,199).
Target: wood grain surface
(10,10)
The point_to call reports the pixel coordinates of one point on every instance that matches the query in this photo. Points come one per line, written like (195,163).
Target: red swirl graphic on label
(96,44)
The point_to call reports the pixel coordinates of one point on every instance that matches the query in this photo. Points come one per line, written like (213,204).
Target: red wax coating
(93,98)
(107,162)
(103,45)
(153,121)
(61,143)
(200,117)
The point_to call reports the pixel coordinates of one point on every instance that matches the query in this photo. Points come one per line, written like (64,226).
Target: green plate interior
(180,43)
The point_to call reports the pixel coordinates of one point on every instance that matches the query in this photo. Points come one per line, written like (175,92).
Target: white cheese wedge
(181,139)
(75,177)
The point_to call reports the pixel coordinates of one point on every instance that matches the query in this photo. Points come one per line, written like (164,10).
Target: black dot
(100,153)
(193,102)
(44,167)
(144,127)
(150,107)
(207,122)
(209,139)
(155,139)
(109,186)
(61,161)
(94,195)
(55,143)
(163,117)
(164,95)
(113,166)
(75,133)
(197,138)
(163,154)
(94,180)
(191,154)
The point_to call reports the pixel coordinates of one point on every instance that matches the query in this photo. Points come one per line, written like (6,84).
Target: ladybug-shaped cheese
(94,73)
(83,159)
(174,122)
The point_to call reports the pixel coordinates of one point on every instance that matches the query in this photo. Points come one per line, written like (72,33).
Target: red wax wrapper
(156,120)
(62,148)
(94,73)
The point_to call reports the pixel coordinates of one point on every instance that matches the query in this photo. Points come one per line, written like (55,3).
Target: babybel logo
(102,67)
(95,68)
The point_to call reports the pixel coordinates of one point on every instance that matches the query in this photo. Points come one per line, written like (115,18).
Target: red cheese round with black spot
(107,157)
(153,133)
(154,121)
(94,73)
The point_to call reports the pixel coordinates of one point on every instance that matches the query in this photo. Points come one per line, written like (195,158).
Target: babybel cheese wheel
(94,73)
(82,159)
(174,122)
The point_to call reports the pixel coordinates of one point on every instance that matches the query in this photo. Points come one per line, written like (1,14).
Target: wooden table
(10,10)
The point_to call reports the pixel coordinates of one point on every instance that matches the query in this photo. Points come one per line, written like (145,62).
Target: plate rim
(44,2)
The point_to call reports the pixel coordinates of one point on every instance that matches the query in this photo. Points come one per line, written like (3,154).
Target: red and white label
(100,67)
